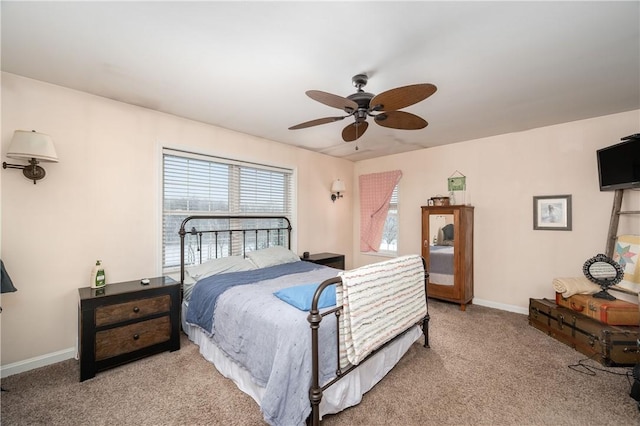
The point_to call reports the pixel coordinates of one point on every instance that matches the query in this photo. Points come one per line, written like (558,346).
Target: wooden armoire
(447,247)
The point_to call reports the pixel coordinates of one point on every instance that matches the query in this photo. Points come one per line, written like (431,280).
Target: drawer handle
(136,336)
(136,309)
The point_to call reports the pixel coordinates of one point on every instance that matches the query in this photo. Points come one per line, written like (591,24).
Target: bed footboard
(315,317)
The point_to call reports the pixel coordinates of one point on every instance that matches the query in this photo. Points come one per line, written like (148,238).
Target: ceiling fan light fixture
(361,104)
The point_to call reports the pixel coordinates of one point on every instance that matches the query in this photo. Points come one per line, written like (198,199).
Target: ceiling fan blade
(354,130)
(400,120)
(333,100)
(315,122)
(401,97)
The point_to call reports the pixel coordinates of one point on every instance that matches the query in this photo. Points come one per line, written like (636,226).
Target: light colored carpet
(484,367)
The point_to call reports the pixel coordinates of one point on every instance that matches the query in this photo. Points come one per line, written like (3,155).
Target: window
(376,193)
(197,184)
(389,242)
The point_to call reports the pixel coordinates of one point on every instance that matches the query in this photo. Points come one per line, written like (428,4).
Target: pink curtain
(375,193)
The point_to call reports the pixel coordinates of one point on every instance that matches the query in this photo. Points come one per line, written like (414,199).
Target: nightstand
(328,259)
(125,321)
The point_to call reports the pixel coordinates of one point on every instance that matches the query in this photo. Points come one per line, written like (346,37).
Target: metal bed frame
(239,231)
(315,316)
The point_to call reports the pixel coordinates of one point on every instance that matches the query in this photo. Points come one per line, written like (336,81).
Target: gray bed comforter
(271,339)
(205,293)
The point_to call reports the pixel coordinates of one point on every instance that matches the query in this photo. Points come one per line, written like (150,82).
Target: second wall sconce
(31,146)
(336,188)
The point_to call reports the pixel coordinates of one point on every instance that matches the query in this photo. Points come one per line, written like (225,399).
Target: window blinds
(199,185)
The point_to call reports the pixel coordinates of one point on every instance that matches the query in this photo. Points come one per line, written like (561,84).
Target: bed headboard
(205,237)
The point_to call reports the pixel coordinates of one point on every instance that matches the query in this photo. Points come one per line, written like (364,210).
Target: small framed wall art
(552,212)
(457,186)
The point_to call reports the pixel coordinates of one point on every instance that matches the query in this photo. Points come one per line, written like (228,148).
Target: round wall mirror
(603,271)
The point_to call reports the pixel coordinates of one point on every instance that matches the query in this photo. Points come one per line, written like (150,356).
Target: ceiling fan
(362,104)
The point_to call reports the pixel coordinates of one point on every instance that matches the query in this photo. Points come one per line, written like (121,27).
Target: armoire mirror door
(441,249)
(447,246)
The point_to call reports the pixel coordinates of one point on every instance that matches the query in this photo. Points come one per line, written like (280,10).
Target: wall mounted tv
(619,165)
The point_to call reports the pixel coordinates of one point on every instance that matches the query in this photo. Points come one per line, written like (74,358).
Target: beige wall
(102,201)
(512,261)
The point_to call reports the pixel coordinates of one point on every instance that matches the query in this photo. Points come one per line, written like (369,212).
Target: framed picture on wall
(552,212)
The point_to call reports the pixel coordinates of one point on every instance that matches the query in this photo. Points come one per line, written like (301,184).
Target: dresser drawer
(122,340)
(140,308)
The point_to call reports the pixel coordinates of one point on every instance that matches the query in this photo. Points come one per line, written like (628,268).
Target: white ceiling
(500,67)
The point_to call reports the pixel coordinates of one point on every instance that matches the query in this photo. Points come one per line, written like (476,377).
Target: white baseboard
(501,306)
(65,354)
(37,362)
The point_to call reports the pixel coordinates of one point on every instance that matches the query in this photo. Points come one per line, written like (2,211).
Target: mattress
(345,393)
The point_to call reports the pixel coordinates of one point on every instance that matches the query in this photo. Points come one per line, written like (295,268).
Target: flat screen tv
(619,165)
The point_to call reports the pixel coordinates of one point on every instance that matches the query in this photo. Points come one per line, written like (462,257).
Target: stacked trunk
(606,331)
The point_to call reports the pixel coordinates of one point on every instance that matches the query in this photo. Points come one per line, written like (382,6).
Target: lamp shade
(27,145)
(338,186)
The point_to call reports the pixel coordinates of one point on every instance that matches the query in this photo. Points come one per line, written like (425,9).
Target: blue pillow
(301,296)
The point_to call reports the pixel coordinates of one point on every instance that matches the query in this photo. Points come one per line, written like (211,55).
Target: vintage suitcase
(612,312)
(610,345)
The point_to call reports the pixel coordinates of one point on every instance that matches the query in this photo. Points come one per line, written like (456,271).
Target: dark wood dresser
(328,259)
(125,321)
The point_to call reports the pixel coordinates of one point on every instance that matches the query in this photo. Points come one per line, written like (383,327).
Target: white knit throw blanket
(574,285)
(380,301)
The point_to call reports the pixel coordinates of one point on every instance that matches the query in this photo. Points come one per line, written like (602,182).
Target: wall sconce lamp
(31,146)
(336,188)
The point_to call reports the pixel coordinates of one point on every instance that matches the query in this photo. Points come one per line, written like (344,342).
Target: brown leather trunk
(610,345)
(612,312)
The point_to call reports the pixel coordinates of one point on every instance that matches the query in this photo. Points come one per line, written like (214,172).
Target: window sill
(388,254)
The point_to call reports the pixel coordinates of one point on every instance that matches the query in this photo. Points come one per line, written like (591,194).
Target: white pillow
(187,285)
(221,265)
(276,255)
(187,288)
(176,276)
